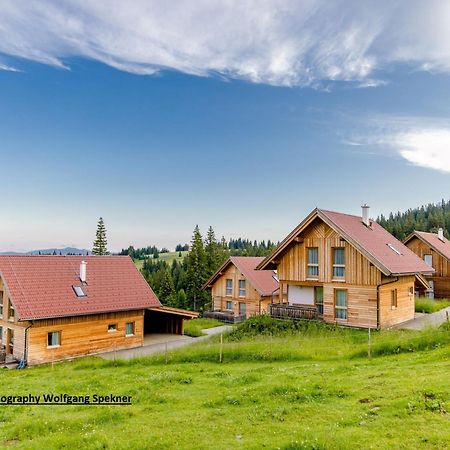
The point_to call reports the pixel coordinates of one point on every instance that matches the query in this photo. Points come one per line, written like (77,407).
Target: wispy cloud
(279,42)
(421,141)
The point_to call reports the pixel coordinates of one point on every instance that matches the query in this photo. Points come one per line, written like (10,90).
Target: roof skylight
(393,249)
(79,291)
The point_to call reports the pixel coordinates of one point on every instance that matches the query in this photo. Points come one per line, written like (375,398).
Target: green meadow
(168,257)
(279,385)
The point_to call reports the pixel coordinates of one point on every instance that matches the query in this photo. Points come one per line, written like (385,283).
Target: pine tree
(196,272)
(215,255)
(100,243)
(167,292)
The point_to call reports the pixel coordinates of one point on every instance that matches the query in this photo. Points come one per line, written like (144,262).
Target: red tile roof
(263,281)
(42,286)
(386,252)
(432,239)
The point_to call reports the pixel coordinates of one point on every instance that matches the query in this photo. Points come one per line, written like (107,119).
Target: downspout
(25,350)
(378,299)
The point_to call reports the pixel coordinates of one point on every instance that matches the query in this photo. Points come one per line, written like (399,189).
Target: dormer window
(79,291)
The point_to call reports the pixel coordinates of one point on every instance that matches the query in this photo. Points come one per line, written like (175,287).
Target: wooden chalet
(59,307)
(347,270)
(434,249)
(239,291)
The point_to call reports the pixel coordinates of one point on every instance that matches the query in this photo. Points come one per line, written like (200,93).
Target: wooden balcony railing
(224,316)
(291,312)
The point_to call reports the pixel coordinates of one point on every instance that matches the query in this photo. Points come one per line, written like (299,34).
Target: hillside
(168,257)
(314,388)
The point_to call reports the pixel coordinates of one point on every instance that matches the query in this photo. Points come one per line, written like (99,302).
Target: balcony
(291,312)
(224,316)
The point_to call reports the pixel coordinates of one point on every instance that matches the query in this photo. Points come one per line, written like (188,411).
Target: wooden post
(369,350)
(166,353)
(221,348)
(446,315)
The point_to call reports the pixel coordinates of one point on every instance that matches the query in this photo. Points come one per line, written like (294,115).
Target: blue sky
(185,129)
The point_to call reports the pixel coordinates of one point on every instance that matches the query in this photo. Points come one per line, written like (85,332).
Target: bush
(429,305)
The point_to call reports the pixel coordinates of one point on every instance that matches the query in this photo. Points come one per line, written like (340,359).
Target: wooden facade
(441,278)
(366,290)
(250,304)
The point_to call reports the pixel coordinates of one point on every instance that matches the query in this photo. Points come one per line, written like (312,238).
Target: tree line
(424,218)
(179,284)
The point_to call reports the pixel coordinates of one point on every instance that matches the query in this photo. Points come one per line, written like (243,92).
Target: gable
(293,263)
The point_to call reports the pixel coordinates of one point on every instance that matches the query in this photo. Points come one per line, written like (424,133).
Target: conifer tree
(100,243)
(167,292)
(215,255)
(196,272)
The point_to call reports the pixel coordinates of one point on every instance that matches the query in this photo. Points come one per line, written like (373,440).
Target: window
(11,311)
(112,327)
(79,291)
(428,259)
(241,288)
(313,262)
(1,303)
(11,340)
(340,304)
(229,305)
(242,308)
(338,262)
(1,335)
(393,298)
(393,249)
(54,339)
(129,329)
(318,299)
(229,287)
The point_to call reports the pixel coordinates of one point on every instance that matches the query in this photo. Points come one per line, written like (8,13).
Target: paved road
(422,321)
(160,343)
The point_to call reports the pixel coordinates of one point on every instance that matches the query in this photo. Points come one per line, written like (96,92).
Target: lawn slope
(292,399)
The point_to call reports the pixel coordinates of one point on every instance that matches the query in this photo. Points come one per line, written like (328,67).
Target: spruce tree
(167,292)
(214,253)
(196,272)
(100,243)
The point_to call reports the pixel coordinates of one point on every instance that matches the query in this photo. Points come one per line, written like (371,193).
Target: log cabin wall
(252,297)
(403,290)
(83,335)
(441,278)
(12,333)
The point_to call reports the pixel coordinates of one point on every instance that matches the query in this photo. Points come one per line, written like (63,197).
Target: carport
(164,319)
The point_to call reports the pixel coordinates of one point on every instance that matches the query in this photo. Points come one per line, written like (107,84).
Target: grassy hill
(305,388)
(168,257)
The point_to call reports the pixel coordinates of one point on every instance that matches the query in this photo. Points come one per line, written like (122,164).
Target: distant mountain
(52,251)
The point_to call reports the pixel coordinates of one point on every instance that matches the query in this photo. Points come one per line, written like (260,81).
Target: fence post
(221,348)
(166,352)
(446,315)
(370,344)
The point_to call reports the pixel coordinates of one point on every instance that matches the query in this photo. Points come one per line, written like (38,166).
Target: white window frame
(112,330)
(312,267)
(228,287)
(242,290)
(338,266)
(339,307)
(230,304)
(58,333)
(430,256)
(126,327)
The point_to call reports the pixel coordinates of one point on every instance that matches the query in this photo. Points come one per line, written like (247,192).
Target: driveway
(160,343)
(422,321)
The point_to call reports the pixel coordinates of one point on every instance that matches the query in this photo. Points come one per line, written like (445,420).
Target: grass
(312,387)
(429,305)
(168,257)
(194,327)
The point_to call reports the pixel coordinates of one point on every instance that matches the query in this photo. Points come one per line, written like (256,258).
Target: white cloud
(428,148)
(280,42)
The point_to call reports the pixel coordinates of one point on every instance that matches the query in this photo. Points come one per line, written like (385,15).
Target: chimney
(365,215)
(441,234)
(83,271)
